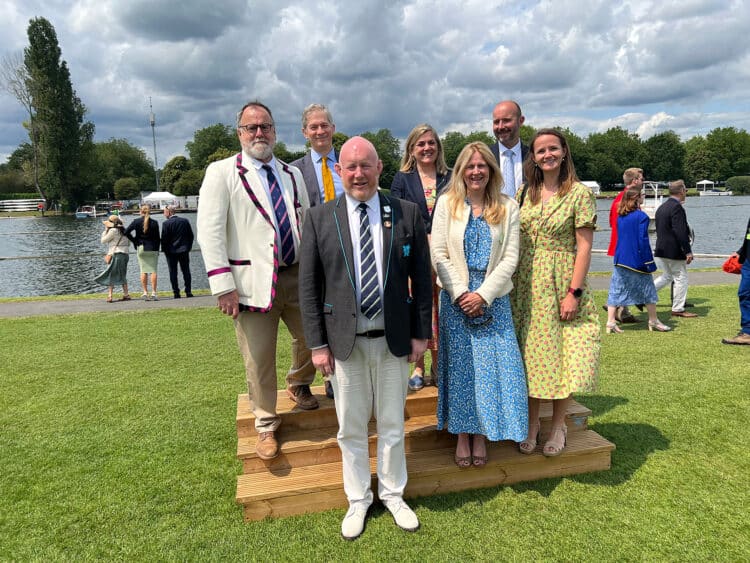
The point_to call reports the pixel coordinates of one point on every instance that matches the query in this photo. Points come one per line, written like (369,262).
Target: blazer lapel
(387,219)
(341,218)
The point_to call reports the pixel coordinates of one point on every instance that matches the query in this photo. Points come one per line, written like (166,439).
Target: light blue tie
(509,173)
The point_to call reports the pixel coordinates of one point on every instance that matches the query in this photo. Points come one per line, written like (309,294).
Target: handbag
(732,265)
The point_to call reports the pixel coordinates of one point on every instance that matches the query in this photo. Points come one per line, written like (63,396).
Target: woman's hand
(568,308)
(471,304)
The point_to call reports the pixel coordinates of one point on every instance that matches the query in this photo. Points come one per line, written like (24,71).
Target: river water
(61,255)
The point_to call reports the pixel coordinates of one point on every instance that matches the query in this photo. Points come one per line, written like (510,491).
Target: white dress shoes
(354,522)
(403,515)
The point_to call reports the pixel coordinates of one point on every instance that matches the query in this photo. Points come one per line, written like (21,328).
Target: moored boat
(86,211)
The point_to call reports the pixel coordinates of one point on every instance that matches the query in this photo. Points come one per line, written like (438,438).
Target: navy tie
(370,291)
(282,217)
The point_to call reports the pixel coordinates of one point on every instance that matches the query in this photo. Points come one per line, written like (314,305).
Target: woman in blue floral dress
(475,238)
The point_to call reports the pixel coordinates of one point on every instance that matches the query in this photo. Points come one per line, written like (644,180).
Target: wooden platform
(306,477)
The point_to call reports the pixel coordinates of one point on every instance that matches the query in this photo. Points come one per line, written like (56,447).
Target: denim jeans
(744,294)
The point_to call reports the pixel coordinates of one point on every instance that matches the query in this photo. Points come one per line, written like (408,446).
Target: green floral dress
(560,357)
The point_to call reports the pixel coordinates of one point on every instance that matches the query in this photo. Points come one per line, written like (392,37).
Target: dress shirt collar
(373,204)
(515,148)
(319,157)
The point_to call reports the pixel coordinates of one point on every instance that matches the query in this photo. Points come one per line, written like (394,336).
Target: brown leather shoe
(267,447)
(684,314)
(303,397)
(742,339)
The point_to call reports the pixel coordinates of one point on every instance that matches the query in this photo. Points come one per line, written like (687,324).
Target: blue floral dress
(482,384)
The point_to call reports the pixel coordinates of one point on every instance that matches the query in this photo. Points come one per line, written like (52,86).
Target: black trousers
(183,259)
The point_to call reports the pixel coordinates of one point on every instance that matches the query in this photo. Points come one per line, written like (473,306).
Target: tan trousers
(257,335)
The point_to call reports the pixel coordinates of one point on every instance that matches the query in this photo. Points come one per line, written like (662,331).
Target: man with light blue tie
(509,151)
(318,166)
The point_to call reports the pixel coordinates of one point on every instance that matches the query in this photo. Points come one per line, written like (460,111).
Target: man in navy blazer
(176,243)
(318,128)
(509,151)
(366,301)
(673,252)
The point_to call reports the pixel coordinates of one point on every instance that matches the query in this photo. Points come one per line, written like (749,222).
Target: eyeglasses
(421,144)
(253,129)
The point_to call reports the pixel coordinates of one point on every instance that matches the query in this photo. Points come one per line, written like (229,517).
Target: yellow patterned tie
(328,189)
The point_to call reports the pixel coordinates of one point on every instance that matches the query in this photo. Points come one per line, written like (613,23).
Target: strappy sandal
(479,460)
(529,444)
(462,461)
(553,449)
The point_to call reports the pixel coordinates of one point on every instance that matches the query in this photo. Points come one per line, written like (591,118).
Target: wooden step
(313,488)
(418,403)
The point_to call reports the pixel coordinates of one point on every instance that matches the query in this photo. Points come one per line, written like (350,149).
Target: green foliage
(172,172)
(526,133)
(206,141)
(739,184)
(611,153)
(117,158)
(11,181)
(453,142)
(730,145)
(580,154)
(389,151)
(127,188)
(282,153)
(189,183)
(664,157)
(338,140)
(700,163)
(64,137)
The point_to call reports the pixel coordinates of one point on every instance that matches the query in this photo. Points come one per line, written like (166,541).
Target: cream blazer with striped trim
(236,240)
(449,260)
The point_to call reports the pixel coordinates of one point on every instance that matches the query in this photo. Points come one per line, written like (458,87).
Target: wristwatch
(577,292)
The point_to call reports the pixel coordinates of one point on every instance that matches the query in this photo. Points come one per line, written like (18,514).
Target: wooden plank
(311,489)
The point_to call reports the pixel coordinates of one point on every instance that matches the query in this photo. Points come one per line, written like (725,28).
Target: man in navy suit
(366,300)
(176,243)
(509,151)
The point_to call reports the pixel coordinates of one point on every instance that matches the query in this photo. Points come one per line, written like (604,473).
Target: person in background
(482,388)
(632,178)
(743,292)
(146,240)
(176,243)
(250,211)
(422,178)
(631,281)
(553,307)
(509,151)
(318,166)
(673,252)
(118,246)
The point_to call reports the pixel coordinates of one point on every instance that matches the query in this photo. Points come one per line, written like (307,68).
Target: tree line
(63,164)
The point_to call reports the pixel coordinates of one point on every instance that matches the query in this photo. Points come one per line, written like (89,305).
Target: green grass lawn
(117,441)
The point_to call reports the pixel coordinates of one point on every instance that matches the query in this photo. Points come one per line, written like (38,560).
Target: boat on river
(708,188)
(653,199)
(86,211)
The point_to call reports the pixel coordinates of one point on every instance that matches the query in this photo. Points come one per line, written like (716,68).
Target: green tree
(453,142)
(117,158)
(611,153)
(739,184)
(701,164)
(219,154)
(732,148)
(389,151)
(580,154)
(189,183)
(339,139)
(172,172)
(664,157)
(207,140)
(64,138)
(127,188)
(282,153)
(526,133)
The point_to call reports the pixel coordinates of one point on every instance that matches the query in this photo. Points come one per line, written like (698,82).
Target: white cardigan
(449,261)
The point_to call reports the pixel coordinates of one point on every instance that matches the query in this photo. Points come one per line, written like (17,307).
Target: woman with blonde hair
(482,386)
(422,178)
(553,306)
(146,240)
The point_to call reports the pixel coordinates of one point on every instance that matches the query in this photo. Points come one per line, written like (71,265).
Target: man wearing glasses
(250,211)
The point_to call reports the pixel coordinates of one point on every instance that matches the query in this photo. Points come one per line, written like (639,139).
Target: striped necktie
(369,287)
(328,189)
(282,217)
(509,173)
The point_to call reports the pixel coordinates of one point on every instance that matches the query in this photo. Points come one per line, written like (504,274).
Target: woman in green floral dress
(553,308)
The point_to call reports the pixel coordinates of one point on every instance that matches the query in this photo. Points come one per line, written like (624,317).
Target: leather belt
(372,334)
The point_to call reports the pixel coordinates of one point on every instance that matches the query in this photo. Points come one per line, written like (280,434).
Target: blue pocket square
(407,249)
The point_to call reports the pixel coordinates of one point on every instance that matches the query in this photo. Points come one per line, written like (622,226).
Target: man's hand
(688,259)
(418,347)
(322,359)
(229,303)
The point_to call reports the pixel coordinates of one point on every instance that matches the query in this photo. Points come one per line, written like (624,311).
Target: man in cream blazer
(250,211)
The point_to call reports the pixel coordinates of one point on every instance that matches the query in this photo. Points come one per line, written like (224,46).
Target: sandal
(479,460)
(529,444)
(553,447)
(126,298)
(462,461)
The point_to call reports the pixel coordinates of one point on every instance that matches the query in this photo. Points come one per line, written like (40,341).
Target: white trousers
(372,378)
(673,270)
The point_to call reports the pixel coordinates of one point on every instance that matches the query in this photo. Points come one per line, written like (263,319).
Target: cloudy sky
(645,65)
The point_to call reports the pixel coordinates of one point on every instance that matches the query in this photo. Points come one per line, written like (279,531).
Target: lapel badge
(407,249)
